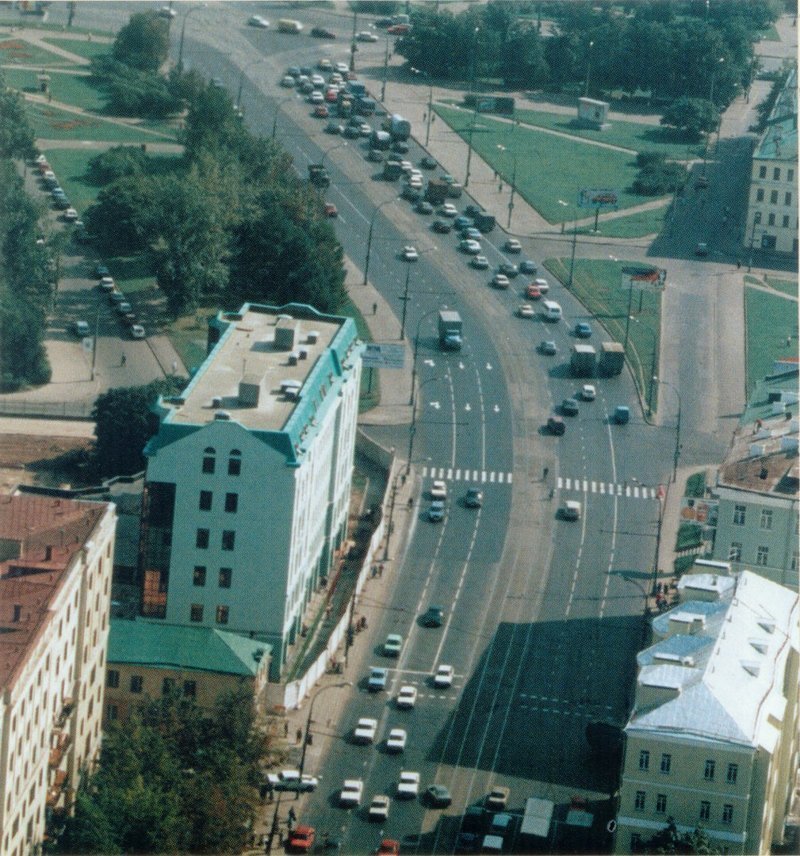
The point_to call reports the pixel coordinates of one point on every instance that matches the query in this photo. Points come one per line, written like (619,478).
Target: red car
(398,29)
(321,111)
(532,291)
(301,839)
(331,210)
(389,847)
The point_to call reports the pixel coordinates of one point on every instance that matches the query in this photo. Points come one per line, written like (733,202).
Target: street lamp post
(405,298)
(474,106)
(574,241)
(416,350)
(513,182)
(385,70)
(413,429)
(183,32)
(752,242)
(677,453)
(328,151)
(277,113)
(369,236)
(317,694)
(241,81)
(588,69)
(430,101)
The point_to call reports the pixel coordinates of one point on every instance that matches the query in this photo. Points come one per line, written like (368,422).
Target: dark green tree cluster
(691,117)
(175,779)
(669,841)
(657,175)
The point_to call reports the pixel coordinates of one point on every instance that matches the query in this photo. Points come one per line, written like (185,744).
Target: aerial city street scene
(399,427)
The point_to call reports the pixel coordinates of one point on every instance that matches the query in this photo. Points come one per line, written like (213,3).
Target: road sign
(644,278)
(383,355)
(598,198)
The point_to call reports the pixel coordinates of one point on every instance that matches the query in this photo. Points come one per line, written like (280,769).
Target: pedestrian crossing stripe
(634,491)
(466,475)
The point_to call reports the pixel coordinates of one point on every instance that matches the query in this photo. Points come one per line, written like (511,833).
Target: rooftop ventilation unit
(286,334)
(313,337)
(757,450)
(302,353)
(216,402)
(293,358)
(789,444)
(222,416)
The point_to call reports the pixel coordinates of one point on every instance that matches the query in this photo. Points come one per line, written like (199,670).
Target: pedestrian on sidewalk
(380,567)
(738,264)
(500,188)
(299,734)
(545,471)
(374,308)
(286,728)
(123,360)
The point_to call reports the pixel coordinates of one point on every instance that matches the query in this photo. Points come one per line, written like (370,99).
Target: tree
(669,840)
(143,43)
(118,221)
(117,162)
(657,175)
(692,117)
(16,134)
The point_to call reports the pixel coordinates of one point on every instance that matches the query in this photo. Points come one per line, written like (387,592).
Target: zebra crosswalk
(630,490)
(467,475)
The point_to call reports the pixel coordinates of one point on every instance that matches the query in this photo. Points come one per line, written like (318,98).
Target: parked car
(513,246)
(81,328)
(137,331)
(406,697)
(428,162)
(331,210)
(569,407)
(258,21)
(393,645)
(301,839)
(377,679)
(443,677)
(396,741)
(556,426)
(291,780)
(288,82)
(438,796)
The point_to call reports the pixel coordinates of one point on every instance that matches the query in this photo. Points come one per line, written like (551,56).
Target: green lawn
(770,320)
(51,123)
(598,285)
(84,48)
(649,222)
(770,34)
(70,166)
(72,89)
(787,286)
(548,168)
(18,51)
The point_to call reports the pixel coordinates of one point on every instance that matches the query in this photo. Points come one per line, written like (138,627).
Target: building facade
(248,479)
(772,222)
(55,581)
(713,738)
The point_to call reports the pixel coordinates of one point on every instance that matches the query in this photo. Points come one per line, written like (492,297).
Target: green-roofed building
(146,658)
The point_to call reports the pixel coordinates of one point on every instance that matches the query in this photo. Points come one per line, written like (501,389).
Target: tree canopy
(692,117)
(669,841)
(143,43)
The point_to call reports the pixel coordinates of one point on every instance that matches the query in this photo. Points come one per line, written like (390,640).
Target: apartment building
(713,738)
(56,560)
(772,222)
(248,479)
(757,486)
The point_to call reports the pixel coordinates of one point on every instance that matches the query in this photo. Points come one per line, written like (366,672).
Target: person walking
(123,360)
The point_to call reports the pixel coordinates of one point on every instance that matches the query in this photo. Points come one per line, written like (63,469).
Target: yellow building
(55,582)
(713,738)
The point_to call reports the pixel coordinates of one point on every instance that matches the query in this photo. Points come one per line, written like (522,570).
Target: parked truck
(583,361)
(397,126)
(436,191)
(450,327)
(318,175)
(483,222)
(612,358)
(392,170)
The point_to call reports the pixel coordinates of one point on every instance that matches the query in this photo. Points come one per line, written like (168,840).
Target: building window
(708,773)
(727,813)
(771,220)
(790,175)
(762,556)
(666,763)
(137,682)
(235,463)
(787,199)
(735,552)
(794,562)
(112,678)
(111,712)
(196,612)
(205,500)
(640,800)
(201,542)
(757,218)
(225,575)
(766,518)
(785,221)
(167,685)
(222,615)
(231,502)
(733,772)
(199,576)
(209,460)
(760,194)
(644,760)
(762,172)
(190,688)
(776,173)
(705,810)
(739,515)
(228,539)
(661,803)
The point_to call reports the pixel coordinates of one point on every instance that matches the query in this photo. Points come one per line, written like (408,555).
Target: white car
(70,215)
(81,328)
(342,68)
(407,697)
(513,246)
(526,311)
(500,280)
(166,12)
(406,166)
(415,173)
(258,21)
(365,730)
(393,645)
(317,81)
(379,807)
(439,490)
(324,64)
(588,393)
(107,283)
(479,262)
(316,97)
(137,331)
(288,81)
(443,677)
(542,285)
(408,786)
(415,181)
(410,254)
(448,210)
(396,741)
(335,79)
(571,510)
(470,246)
(291,780)
(352,792)
(366,36)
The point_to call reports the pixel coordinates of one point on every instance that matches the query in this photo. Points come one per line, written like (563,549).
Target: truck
(357,89)
(583,361)
(450,327)
(436,191)
(365,106)
(287,25)
(612,358)
(397,126)
(483,222)
(392,170)
(318,175)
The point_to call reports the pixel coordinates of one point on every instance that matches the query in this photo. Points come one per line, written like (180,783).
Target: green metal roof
(203,649)
(760,405)
(779,141)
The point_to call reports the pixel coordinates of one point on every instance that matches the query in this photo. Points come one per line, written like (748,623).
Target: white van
(552,310)
(287,25)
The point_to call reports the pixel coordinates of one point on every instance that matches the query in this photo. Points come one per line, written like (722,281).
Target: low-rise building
(55,581)
(713,738)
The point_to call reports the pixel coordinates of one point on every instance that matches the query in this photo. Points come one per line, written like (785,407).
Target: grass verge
(52,123)
(787,286)
(771,332)
(649,222)
(73,89)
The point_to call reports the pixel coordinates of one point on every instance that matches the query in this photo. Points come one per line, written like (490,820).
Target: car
(389,847)
(406,697)
(342,68)
(622,414)
(588,392)
(474,497)
(436,511)
(415,181)
(548,348)
(570,510)
(70,215)
(463,222)
(379,807)
(324,64)
(400,146)
(428,162)
(438,489)
(396,741)
(321,111)
(62,203)
(322,33)
(702,182)
(532,292)
(332,95)
(423,207)
(525,310)
(448,210)
(500,280)
(377,679)
(441,226)
(316,97)
(366,36)
(333,127)
(479,262)
(470,246)
(137,331)
(331,210)
(365,730)
(497,798)
(351,132)
(301,839)
(443,677)
(125,310)
(115,297)
(528,266)
(433,617)
(542,284)
(258,21)
(317,81)
(80,328)
(288,82)
(508,269)
(438,796)
(409,254)
(393,645)
(583,330)
(351,793)
(569,407)
(382,23)
(701,249)
(167,12)
(471,233)
(512,245)
(411,193)
(336,79)
(364,129)
(408,785)
(415,173)
(398,29)
(291,780)
(556,426)
(100,270)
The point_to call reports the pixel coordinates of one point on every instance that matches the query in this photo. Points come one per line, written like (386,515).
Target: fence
(46,409)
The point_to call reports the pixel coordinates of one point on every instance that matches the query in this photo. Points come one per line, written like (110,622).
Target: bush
(696,485)
(658,176)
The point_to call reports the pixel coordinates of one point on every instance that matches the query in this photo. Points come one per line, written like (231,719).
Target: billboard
(378,355)
(598,198)
(644,278)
